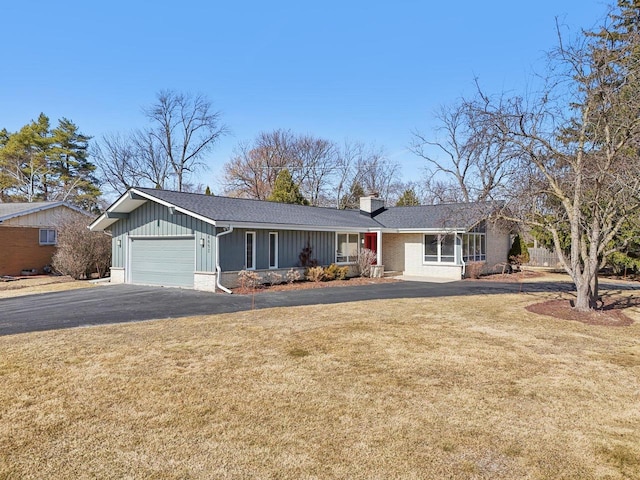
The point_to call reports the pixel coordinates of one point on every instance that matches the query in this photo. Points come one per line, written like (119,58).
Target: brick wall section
(393,252)
(20,249)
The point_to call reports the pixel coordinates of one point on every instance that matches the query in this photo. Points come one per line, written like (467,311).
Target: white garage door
(162,261)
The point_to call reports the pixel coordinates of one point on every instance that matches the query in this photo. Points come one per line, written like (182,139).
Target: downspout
(464,265)
(218,271)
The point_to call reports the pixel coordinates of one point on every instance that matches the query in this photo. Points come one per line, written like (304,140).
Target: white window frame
(253,250)
(273,262)
(349,242)
(477,236)
(439,255)
(47,232)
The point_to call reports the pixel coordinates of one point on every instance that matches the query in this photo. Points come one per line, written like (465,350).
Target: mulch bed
(304,285)
(610,315)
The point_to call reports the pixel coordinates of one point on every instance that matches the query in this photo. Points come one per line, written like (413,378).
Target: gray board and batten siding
(155,220)
(290,245)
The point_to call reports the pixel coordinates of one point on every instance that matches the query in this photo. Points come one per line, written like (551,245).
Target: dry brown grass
(473,387)
(40,284)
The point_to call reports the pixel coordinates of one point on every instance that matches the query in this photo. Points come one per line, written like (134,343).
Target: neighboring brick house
(29,233)
(161,237)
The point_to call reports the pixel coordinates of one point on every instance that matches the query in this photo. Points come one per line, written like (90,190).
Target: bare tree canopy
(577,143)
(322,170)
(186,127)
(469,162)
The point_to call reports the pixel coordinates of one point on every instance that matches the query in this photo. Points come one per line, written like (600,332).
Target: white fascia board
(101,223)
(171,205)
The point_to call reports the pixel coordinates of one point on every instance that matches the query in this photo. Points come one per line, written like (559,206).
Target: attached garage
(162,261)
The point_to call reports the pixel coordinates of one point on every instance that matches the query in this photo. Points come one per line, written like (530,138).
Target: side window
(250,251)
(48,236)
(273,249)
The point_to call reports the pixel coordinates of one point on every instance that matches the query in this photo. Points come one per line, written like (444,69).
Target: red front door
(371,242)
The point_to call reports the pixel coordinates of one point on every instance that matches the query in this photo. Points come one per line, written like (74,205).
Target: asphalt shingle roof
(17,209)
(226,209)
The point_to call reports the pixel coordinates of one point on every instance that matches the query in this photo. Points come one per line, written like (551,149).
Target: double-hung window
(440,248)
(347,247)
(48,236)
(250,251)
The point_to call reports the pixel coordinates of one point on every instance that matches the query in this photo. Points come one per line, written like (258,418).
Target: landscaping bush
(334,272)
(315,274)
(474,269)
(273,278)
(366,258)
(81,252)
(248,279)
(519,253)
(293,275)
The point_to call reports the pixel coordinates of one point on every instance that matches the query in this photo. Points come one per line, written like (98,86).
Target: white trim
(347,255)
(275,264)
(253,250)
(47,243)
(439,250)
(130,238)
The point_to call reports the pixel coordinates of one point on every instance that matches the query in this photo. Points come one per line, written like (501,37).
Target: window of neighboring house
(250,251)
(273,249)
(474,244)
(48,236)
(440,248)
(347,247)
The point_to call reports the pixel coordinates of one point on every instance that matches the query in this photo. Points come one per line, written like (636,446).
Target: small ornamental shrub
(248,279)
(519,253)
(293,275)
(366,258)
(273,278)
(474,269)
(306,256)
(315,274)
(334,272)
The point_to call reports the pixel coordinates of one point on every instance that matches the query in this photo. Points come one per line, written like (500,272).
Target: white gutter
(218,271)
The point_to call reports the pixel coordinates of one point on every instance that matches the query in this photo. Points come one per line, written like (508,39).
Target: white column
(379,247)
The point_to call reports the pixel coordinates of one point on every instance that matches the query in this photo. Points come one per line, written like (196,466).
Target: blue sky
(365,71)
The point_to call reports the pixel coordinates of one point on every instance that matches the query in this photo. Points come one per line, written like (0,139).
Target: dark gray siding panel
(290,244)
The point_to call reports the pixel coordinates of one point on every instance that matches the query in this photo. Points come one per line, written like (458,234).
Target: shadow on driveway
(128,303)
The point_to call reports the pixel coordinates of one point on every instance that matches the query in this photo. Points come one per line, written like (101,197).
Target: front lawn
(459,387)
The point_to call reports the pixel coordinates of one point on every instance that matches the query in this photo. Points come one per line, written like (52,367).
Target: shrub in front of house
(272,278)
(315,274)
(248,279)
(334,272)
(366,258)
(293,275)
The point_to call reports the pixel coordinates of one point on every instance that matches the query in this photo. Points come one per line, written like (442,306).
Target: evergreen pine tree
(286,191)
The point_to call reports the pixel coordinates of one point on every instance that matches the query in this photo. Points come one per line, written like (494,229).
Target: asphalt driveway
(126,303)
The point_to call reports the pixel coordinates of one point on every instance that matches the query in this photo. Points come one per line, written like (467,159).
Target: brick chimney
(371,205)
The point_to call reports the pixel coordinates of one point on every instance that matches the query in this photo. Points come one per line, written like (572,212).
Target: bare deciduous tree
(81,252)
(186,127)
(578,143)
(477,165)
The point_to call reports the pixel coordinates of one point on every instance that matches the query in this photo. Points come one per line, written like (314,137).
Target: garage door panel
(169,262)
